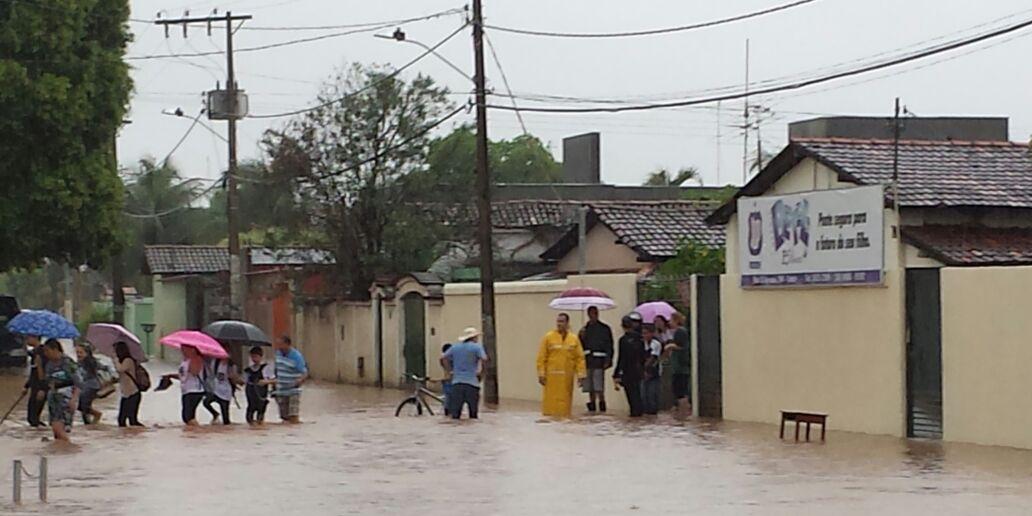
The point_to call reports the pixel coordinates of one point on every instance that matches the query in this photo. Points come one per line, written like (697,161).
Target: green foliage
(663,177)
(720,195)
(97,313)
(451,172)
(349,173)
(63,91)
(266,205)
(692,258)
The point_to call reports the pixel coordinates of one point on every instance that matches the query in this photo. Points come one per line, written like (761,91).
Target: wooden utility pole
(231,115)
(896,129)
(487,299)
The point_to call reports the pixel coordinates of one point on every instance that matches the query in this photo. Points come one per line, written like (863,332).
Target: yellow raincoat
(559,361)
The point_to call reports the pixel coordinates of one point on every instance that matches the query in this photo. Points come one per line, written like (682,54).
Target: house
(885,315)
(191,285)
(633,236)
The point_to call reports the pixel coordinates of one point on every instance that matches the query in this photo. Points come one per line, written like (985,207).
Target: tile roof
(973,245)
(186,259)
(654,230)
(931,173)
(937,173)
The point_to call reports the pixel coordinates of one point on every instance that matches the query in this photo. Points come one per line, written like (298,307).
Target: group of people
(66,387)
(645,348)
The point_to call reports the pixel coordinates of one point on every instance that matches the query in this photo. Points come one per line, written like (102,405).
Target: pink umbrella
(204,344)
(104,336)
(649,311)
(581,298)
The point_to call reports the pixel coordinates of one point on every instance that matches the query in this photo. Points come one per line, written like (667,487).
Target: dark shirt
(597,340)
(630,363)
(36,379)
(681,358)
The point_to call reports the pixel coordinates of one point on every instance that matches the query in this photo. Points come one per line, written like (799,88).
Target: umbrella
(581,298)
(237,331)
(42,323)
(104,336)
(206,345)
(649,311)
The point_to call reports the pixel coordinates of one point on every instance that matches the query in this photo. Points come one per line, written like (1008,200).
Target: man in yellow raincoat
(560,359)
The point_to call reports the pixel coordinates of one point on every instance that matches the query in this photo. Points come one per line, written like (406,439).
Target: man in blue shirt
(465,361)
(291,373)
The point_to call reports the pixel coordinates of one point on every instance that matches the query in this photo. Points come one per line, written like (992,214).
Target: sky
(990,78)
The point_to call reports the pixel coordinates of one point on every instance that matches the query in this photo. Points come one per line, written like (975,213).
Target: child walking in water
(64,382)
(91,383)
(259,376)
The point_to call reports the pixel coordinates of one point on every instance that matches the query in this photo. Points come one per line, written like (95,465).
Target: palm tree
(662,177)
(156,197)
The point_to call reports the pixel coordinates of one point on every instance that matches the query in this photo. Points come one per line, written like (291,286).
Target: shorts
(289,406)
(682,386)
(57,407)
(595,381)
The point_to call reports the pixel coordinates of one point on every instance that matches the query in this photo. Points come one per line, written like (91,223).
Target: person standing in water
(597,339)
(64,385)
(465,361)
(630,365)
(35,384)
(560,359)
(653,350)
(220,378)
(128,387)
(191,384)
(291,374)
(259,377)
(680,353)
(91,384)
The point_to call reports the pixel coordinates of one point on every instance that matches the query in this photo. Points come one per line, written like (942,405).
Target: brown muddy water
(351,456)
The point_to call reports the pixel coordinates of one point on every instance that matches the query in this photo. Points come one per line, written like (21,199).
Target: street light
(178,112)
(399,35)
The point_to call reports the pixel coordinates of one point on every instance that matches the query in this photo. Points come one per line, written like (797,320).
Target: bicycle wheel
(409,407)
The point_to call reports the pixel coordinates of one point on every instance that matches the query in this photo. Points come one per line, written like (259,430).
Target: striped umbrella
(581,298)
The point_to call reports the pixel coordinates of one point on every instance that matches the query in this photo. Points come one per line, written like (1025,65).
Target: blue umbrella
(43,323)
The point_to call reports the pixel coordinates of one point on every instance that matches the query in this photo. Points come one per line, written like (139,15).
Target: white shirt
(220,381)
(189,383)
(654,348)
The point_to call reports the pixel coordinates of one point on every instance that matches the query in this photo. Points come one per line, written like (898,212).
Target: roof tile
(973,245)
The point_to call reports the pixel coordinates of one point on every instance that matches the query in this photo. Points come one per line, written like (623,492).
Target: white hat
(469,333)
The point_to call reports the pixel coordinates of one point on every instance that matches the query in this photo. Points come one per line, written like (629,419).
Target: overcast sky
(992,78)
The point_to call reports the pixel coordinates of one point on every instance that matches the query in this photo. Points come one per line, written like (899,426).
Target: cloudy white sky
(988,79)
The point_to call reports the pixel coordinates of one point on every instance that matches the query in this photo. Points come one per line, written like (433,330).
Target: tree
(266,202)
(348,160)
(662,177)
(692,258)
(63,91)
(760,161)
(451,164)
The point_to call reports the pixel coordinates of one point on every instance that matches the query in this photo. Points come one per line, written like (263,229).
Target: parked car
(12,351)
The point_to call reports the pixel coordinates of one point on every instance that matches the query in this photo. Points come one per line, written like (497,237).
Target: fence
(41,480)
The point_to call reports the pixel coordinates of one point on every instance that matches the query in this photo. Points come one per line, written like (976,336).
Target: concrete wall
(603,254)
(835,350)
(334,337)
(169,313)
(986,355)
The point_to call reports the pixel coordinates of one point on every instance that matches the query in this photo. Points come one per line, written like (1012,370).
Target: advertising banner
(824,237)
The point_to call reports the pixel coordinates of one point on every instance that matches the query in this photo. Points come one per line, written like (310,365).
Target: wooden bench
(802,417)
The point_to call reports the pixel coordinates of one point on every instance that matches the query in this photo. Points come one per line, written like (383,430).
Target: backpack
(140,377)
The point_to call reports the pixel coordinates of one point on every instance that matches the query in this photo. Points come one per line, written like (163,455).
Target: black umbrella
(237,331)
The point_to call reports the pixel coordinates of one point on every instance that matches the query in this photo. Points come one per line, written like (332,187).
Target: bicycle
(414,404)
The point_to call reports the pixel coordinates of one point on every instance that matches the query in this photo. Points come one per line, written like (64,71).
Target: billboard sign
(824,237)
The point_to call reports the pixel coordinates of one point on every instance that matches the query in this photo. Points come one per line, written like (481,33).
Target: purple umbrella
(104,336)
(649,311)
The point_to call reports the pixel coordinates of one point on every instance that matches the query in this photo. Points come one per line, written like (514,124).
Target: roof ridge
(889,141)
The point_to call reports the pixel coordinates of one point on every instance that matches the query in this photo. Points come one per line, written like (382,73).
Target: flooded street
(351,456)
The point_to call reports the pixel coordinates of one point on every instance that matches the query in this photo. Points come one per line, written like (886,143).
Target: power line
(182,139)
(369,86)
(170,211)
(298,28)
(652,32)
(505,81)
(785,87)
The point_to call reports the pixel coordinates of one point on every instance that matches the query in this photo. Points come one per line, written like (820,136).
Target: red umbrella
(581,298)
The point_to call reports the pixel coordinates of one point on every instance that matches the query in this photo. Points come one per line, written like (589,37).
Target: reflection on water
(351,456)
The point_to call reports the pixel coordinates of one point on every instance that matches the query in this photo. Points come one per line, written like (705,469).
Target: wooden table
(802,417)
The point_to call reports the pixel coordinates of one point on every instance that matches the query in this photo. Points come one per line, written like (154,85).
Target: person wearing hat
(464,362)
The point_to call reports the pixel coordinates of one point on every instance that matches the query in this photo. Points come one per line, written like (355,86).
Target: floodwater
(351,456)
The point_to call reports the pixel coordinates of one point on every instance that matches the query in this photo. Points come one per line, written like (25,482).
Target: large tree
(451,164)
(348,160)
(63,91)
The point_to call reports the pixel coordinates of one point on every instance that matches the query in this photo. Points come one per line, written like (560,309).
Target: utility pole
(745,124)
(226,105)
(487,298)
(895,163)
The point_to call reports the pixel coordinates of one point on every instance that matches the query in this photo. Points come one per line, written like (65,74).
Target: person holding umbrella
(597,339)
(34,325)
(195,346)
(560,359)
(128,386)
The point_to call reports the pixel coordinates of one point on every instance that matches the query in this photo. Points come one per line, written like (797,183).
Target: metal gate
(708,362)
(415,334)
(924,354)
